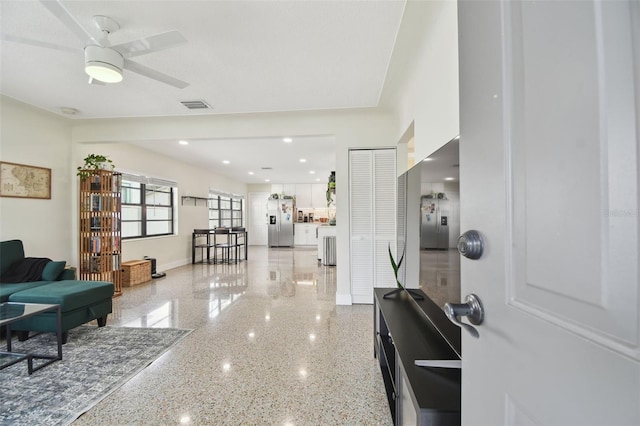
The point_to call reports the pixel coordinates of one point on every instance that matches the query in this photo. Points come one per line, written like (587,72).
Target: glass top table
(10,312)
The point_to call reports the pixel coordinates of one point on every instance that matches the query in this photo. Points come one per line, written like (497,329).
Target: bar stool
(222,241)
(239,241)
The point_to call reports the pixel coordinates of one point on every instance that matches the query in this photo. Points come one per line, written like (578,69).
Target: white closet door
(361,226)
(372,195)
(384,202)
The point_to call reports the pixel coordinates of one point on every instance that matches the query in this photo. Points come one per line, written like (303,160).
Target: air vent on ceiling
(195,104)
(266,168)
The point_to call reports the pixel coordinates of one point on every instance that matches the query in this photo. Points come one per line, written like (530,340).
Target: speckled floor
(269,347)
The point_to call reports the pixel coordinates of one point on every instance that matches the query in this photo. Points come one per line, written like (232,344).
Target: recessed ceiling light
(428,159)
(287,140)
(267,180)
(183,142)
(251,173)
(226,161)
(68,110)
(303,160)
(317,179)
(312,172)
(449,178)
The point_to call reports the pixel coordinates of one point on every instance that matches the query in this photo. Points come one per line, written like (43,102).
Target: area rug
(95,362)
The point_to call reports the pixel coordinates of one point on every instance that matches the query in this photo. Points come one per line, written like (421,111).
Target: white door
(372,212)
(257,228)
(549,117)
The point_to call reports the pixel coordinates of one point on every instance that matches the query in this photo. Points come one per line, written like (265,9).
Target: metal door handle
(470,244)
(472,308)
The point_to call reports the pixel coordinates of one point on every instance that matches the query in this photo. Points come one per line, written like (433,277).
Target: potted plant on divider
(94,162)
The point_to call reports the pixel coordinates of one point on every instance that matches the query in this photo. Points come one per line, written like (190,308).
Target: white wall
(422,81)
(38,138)
(421,91)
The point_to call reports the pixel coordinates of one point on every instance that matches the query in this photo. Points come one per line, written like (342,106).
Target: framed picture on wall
(23,181)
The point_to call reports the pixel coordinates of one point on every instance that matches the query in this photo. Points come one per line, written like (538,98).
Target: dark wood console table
(406,330)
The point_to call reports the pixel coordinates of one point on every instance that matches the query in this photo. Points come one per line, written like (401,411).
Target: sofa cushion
(52,270)
(69,294)
(10,252)
(7,290)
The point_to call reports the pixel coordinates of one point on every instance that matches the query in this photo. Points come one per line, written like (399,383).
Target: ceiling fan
(104,63)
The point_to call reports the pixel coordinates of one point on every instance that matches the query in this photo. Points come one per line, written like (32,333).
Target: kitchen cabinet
(303,196)
(289,189)
(305,234)
(319,195)
(308,196)
(277,188)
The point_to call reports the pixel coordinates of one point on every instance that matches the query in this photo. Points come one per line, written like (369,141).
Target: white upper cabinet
(319,195)
(276,188)
(289,189)
(303,195)
(308,196)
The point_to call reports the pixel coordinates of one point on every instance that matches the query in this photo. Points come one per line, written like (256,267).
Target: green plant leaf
(395,266)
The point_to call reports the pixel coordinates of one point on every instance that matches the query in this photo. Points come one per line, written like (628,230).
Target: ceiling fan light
(103,72)
(103,64)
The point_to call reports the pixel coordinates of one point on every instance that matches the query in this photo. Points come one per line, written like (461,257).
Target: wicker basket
(136,272)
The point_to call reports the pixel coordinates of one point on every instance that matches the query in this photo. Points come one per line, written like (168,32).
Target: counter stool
(222,241)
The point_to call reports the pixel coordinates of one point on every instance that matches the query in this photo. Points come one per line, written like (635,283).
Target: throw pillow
(52,270)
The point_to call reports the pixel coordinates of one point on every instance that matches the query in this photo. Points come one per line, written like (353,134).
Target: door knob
(470,244)
(472,309)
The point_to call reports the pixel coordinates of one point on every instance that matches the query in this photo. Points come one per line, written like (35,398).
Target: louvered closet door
(372,194)
(384,207)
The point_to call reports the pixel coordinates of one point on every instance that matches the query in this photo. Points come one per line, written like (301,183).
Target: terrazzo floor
(269,347)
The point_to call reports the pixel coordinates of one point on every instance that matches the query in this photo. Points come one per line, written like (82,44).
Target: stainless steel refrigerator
(280,222)
(434,222)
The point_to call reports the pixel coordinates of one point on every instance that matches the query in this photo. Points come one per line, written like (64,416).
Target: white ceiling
(255,154)
(442,164)
(241,56)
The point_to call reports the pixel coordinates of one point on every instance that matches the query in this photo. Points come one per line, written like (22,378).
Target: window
(147,206)
(225,210)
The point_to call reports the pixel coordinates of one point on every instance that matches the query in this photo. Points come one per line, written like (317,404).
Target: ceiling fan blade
(153,74)
(150,44)
(14,39)
(61,12)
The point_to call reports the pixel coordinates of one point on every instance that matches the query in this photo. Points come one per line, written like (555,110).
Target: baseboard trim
(362,299)
(343,299)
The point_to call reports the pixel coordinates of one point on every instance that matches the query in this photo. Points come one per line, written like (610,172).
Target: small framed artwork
(23,181)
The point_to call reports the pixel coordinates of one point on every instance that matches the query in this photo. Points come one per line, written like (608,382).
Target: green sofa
(12,251)
(80,301)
